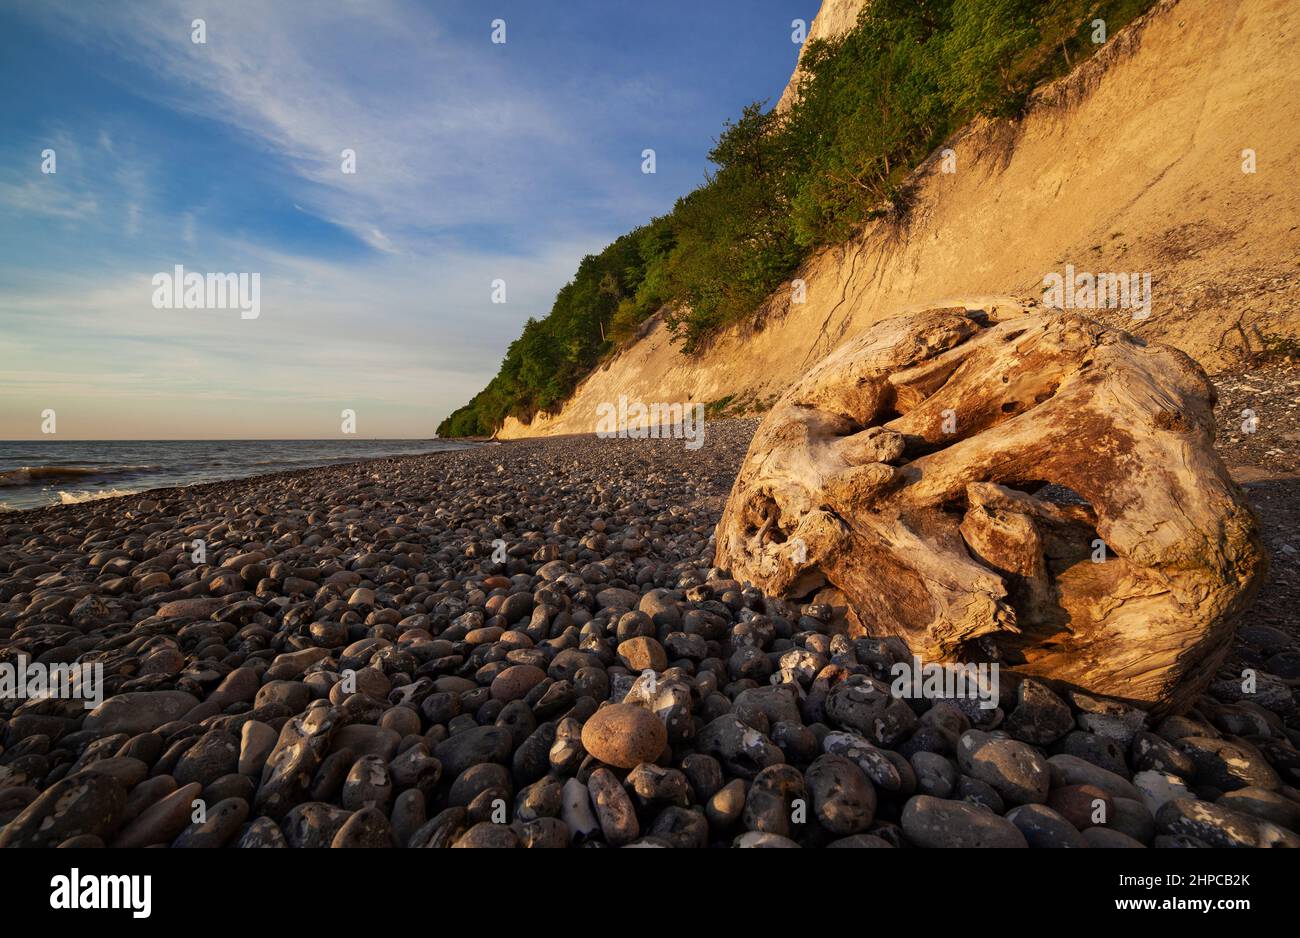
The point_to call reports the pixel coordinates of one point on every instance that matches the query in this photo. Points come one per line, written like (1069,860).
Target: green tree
(979,54)
(872,105)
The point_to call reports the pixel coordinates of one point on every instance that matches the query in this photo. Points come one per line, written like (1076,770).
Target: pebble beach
(526,645)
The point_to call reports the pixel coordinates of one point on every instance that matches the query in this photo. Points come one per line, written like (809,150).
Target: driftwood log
(996,483)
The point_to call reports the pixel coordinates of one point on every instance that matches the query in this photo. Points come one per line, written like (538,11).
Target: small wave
(289,461)
(28,475)
(35,475)
(77,498)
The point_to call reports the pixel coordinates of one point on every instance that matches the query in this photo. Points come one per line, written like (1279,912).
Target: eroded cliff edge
(1131,164)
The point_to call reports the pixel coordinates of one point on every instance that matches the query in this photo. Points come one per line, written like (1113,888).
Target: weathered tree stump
(997,483)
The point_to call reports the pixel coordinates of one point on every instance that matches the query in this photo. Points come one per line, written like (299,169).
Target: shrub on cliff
(873,104)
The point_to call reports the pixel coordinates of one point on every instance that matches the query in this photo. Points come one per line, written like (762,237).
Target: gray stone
(162,821)
(1101,751)
(1040,717)
(843,799)
(763,839)
(743,750)
(935,822)
(293,762)
(262,833)
(222,824)
(84,804)
(1071,770)
(1044,827)
(1132,818)
(367,828)
(1016,771)
(935,774)
(866,706)
(314,824)
(1218,826)
(1229,764)
(138,712)
(871,760)
(1264,804)
(368,783)
(215,754)
(614,809)
(1151,753)
(480,744)
(769,804)
(1113,719)
(1105,837)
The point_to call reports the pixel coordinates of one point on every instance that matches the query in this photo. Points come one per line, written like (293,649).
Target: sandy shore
(416,651)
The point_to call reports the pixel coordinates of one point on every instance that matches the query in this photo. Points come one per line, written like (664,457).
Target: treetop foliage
(872,105)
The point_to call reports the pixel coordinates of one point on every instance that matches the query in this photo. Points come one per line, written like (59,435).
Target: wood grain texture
(951,473)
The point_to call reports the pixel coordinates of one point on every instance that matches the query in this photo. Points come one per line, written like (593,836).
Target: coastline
(38,473)
(217,486)
(381,653)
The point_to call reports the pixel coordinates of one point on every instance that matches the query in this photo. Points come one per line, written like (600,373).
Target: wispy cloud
(474,162)
(396,335)
(46,199)
(441,133)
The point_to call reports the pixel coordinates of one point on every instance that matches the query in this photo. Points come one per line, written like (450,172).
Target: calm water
(50,472)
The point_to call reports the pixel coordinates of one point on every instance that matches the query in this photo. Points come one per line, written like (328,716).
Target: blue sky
(474,161)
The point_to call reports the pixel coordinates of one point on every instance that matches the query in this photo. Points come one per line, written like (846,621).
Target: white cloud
(446,140)
(443,137)
(48,198)
(392,333)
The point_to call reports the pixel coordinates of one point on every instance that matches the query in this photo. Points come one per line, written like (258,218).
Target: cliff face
(1132,164)
(834,18)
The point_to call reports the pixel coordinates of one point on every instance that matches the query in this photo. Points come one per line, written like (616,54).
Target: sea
(53,472)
